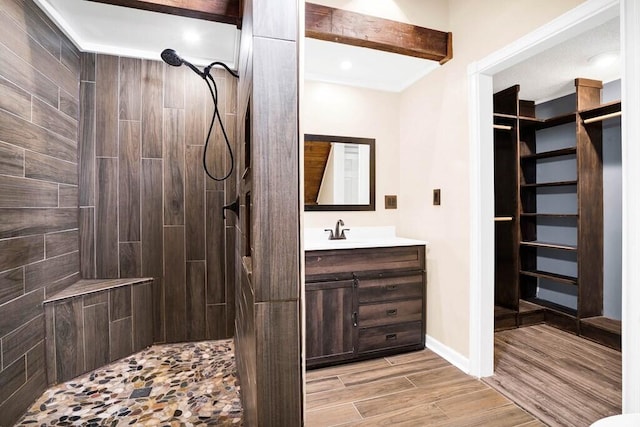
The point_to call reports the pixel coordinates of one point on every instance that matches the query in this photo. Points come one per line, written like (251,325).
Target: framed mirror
(339,173)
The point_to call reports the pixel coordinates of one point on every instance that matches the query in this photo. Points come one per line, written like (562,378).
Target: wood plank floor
(562,379)
(413,389)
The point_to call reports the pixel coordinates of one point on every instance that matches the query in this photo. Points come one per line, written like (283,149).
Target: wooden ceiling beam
(226,11)
(355,29)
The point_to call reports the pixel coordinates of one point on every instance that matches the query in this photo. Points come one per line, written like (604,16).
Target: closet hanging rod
(602,117)
(503,218)
(502,127)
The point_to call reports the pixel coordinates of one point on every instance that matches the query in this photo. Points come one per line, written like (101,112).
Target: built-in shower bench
(96,321)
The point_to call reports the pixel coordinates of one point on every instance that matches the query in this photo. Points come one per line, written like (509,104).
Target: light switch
(436,197)
(391,202)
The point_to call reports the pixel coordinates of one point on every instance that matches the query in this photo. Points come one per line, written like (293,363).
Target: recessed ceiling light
(346,65)
(191,36)
(603,59)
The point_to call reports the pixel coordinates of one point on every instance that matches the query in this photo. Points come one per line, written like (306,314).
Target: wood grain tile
(88,67)
(46,168)
(230,279)
(120,339)
(12,378)
(28,78)
(19,192)
(194,204)
(174,86)
(69,339)
(61,243)
(216,322)
(336,415)
(22,133)
(35,54)
(152,108)
(29,18)
(24,222)
(11,284)
(423,415)
(11,160)
(324,384)
(100,297)
(107,105)
(106,221)
(14,407)
(17,252)
(67,196)
(280,390)
(173,172)
(54,120)
(215,248)
(129,181)
(87,143)
(70,105)
(282,25)
(174,282)
(44,273)
(356,393)
(119,303)
(152,237)
(348,368)
(142,308)
(36,360)
(130,259)
(405,369)
(55,287)
(437,377)
(196,300)
(504,416)
(18,342)
(415,397)
(87,242)
(15,100)
(196,124)
(130,88)
(472,403)
(96,335)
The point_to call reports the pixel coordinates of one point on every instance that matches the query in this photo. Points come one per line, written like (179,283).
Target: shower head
(171,57)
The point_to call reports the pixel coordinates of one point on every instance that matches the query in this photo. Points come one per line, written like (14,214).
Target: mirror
(339,173)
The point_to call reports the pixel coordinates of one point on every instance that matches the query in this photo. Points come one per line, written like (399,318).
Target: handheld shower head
(171,57)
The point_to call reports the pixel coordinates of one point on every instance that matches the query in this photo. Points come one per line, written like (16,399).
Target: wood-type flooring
(562,379)
(412,389)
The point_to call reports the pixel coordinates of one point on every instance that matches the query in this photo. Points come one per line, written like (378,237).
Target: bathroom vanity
(365,297)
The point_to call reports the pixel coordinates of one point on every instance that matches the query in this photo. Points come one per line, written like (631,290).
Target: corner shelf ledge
(88,286)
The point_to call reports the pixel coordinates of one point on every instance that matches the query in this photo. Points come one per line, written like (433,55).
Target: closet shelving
(520,250)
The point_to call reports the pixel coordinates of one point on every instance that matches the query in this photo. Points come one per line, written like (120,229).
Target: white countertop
(316,239)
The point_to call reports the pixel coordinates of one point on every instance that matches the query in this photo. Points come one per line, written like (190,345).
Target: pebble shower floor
(192,384)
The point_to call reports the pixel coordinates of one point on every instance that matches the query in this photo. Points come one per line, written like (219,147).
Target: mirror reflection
(339,173)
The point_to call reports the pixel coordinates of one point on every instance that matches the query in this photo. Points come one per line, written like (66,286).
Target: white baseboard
(449,354)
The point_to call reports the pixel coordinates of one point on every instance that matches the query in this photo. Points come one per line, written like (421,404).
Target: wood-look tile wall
(267,252)
(146,206)
(89,331)
(39,78)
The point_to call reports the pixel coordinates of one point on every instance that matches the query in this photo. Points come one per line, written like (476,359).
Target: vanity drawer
(390,288)
(382,337)
(389,313)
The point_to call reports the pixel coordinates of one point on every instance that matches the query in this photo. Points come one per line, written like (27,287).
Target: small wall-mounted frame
(436,197)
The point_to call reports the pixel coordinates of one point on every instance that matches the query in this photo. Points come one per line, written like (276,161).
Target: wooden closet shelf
(605,323)
(548,245)
(548,154)
(552,306)
(561,278)
(549,184)
(549,215)
(600,110)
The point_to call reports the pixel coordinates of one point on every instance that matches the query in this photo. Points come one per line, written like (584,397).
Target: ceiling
(97,27)
(551,73)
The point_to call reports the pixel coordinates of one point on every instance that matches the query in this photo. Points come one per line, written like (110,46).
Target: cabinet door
(330,316)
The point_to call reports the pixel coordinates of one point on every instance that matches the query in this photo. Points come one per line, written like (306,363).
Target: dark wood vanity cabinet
(363,303)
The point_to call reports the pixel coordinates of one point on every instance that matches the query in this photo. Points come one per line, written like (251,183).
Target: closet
(549,214)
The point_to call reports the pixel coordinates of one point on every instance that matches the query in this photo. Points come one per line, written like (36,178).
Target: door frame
(587,15)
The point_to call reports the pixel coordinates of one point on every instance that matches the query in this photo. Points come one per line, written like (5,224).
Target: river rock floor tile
(191,384)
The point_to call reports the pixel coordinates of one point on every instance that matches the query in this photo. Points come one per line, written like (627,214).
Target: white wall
(434,137)
(330,109)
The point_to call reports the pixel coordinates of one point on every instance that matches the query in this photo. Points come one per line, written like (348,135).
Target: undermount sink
(356,237)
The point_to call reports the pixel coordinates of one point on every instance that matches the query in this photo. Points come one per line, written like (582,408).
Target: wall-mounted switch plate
(436,197)
(391,202)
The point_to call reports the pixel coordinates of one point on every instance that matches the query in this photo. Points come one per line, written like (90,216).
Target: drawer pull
(354,318)
(391,337)
(392,312)
(391,287)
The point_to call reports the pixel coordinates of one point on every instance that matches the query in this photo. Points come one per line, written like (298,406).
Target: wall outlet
(436,197)
(391,202)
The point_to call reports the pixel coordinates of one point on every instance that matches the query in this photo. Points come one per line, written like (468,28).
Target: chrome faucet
(337,234)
